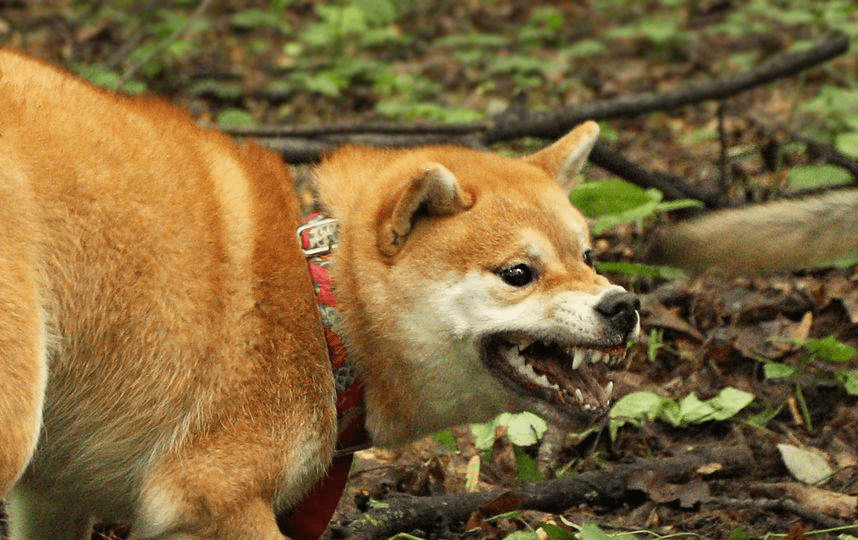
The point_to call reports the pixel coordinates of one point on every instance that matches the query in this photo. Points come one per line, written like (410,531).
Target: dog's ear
(432,191)
(563,159)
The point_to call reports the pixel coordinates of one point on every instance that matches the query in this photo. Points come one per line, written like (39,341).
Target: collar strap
(317,238)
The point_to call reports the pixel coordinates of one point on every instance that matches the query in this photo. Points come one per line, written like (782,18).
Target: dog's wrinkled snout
(620,309)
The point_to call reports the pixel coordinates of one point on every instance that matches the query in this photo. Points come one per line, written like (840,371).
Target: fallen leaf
(805,465)
(830,503)
(472,474)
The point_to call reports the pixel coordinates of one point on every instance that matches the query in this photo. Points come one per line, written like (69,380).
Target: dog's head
(468,288)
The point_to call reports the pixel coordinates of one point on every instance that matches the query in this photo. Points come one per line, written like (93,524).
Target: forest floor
(466,61)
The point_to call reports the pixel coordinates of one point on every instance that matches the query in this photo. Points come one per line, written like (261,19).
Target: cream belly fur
(162,361)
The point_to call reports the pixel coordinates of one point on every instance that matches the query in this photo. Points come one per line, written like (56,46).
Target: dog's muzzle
(569,378)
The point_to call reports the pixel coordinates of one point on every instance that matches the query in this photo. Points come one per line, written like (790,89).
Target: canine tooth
(609,388)
(524,343)
(579,396)
(578,359)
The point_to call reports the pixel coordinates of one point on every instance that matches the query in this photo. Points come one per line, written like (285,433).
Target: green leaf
(591,531)
(660,30)
(813,176)
(556,533)
(585,48)
(640,270)
(235,118)
(654,343)
(678,204)
(637,408)
(377,12)
(484,434)
(227,90)
(523,429)
(777,370)
(522,535)
(252,18)
(605,222)
(693,411)
(446,438)
(353,20)
(526,468)
(326,83)
(829,348)
(739,534)
(848,143)
(849,379)
(763,417)
(605,197)
(516,64)
(728,403)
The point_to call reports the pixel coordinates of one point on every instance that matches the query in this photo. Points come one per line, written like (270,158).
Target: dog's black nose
(620,308)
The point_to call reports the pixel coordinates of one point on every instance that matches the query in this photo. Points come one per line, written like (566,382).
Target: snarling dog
(163,360)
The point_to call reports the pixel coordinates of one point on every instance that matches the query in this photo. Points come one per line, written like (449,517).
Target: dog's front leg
(23,356)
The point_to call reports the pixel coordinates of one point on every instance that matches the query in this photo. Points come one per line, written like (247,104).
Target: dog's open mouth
(572,379)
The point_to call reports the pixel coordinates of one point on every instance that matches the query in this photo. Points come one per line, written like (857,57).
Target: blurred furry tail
(781,235)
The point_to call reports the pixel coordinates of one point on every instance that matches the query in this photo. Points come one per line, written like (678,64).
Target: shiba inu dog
(163,361)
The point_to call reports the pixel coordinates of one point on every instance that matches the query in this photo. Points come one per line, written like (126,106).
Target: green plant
(826,354)
(640,407)
(614,202)
(523,430)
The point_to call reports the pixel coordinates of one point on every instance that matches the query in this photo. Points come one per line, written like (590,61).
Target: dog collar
(317,238)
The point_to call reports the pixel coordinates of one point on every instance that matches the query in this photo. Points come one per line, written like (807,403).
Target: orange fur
(161,356)
(162,258)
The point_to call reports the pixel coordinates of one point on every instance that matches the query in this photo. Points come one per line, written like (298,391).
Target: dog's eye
(517,276)
(588,257)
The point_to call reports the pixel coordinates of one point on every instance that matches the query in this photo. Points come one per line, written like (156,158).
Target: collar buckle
(318,236)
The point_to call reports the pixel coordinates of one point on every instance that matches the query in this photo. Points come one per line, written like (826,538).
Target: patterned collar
(317,237)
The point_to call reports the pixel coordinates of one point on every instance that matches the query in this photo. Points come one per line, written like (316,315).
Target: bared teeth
(579,396)
(578,358)
(609,389)
(527,371)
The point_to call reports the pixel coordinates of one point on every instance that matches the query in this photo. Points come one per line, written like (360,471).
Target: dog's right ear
(563,159)
(432,191)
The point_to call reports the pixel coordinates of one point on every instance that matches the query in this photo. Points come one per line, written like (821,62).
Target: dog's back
(145,265)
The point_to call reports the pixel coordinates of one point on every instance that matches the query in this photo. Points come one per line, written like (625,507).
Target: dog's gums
(572,379)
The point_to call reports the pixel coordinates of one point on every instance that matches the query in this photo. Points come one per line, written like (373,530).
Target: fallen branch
(303,144)
(671,186)
(307,144)
(555,123)
(604,488)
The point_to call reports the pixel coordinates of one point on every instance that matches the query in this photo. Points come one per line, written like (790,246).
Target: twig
(610,488)
(723,159)
(789,506)
(671,186)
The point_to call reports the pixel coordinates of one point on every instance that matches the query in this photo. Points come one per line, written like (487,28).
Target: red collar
(318,237)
